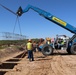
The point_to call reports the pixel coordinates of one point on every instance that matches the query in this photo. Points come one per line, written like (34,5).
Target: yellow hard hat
(29,40)
(48,39)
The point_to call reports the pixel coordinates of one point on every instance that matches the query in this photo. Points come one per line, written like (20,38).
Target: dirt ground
(58,64)
(8,53)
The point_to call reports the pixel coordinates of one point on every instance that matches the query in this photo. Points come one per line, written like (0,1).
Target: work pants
(30,55)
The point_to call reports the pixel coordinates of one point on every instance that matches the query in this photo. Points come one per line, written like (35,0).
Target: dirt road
(58,64)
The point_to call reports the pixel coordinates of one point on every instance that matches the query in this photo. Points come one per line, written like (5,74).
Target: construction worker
(29,47)
(48,40)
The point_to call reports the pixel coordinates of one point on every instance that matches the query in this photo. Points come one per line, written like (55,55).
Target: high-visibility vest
(48,42)
(29,46)
(62,42)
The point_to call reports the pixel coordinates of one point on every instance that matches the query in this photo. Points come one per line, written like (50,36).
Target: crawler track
(10,63)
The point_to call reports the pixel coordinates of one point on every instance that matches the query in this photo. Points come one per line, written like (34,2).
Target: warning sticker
(59,21)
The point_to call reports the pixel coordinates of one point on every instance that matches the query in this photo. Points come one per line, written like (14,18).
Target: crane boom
(48,16)
(48,49)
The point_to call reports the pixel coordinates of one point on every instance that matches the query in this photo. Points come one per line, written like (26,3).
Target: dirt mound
(10,50)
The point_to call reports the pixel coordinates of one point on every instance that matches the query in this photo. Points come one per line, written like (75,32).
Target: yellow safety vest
(29,46)
(48,42)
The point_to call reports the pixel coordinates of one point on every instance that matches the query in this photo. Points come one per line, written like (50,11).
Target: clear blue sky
(32,24)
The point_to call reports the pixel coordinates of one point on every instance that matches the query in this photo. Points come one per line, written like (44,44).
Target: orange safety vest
(29,46)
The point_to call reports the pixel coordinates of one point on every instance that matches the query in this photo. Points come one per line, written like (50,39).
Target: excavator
(45,48)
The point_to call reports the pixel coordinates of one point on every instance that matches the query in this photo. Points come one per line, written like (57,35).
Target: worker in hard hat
(48,40)
(29,47)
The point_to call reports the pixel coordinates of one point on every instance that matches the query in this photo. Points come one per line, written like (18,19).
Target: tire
(68,50)
(47,50)
(73,49)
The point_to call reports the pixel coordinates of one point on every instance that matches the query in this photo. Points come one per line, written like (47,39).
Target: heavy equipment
(61,41)
(48,49)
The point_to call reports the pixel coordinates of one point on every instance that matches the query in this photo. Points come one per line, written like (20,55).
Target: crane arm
(48,16)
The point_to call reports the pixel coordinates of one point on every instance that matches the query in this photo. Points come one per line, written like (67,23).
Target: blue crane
(48,49)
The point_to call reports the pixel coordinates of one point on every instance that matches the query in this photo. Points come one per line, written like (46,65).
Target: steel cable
(17,19)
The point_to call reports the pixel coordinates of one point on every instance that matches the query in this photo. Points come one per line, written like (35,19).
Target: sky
(32,24)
